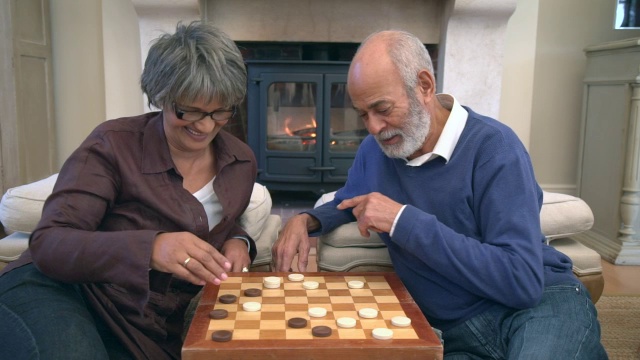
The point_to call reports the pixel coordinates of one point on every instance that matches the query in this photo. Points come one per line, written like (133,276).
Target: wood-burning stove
(301,124)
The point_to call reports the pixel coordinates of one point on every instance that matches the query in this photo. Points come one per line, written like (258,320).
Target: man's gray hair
(407,53)
(197,62)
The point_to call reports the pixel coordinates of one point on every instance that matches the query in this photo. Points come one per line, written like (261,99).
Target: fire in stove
(302,138)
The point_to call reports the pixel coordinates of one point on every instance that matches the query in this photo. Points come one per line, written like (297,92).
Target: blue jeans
(563,326)
(41,318)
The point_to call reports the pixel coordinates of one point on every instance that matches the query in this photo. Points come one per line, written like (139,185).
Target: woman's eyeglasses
(220,115)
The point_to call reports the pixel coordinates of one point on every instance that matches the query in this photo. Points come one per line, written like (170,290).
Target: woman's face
(186,132)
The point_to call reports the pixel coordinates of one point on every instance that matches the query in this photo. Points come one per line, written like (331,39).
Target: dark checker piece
(297,323)
(321,331)
(221,335)
(253,292)
(228,299)
(218,314)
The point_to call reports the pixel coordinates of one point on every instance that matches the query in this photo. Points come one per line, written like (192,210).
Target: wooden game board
(265,334)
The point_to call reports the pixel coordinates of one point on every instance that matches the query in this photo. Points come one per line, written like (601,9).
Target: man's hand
(294,239)
(189,257)
(373,211)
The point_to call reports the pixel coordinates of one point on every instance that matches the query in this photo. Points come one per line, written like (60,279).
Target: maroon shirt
(113,195)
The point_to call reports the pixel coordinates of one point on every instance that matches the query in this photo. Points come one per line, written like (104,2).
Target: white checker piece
(400,321)
(295,277)
(317,312)
(251,306)
(310,285)
(368,313)
(346,322)
(382,333)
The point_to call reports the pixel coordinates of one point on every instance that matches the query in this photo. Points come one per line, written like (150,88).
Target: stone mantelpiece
(470,33)
(609,174)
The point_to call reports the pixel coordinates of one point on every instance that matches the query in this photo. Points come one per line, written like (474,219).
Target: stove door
(290,139)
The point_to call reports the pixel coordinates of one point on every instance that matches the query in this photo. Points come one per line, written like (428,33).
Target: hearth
(301,124)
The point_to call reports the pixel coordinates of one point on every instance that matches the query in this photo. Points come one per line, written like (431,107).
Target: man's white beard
(412,134)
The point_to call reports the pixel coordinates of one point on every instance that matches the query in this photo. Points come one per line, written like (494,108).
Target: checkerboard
(267,329)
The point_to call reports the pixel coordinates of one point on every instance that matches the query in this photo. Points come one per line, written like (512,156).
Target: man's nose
(375,124)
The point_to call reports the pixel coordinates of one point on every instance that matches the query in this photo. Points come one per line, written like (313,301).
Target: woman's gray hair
(407,53)
(197,62)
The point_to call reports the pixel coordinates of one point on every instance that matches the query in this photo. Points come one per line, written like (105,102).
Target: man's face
(411,131)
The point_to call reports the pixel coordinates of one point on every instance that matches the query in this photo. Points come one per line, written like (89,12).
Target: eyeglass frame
(180,113)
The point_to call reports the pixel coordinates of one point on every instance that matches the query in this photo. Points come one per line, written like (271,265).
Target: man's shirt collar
(450,133)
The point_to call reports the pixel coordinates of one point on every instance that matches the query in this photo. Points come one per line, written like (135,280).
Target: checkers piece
(355,284)
(297,323)
(253,292)
(221,335)
(321,331)
(271,282)
(400,321)
(228,298)
(295,277)
(218,314)
(368,313)
(251,306)
(346,322)
(310,285)
(382,333)
(317,312)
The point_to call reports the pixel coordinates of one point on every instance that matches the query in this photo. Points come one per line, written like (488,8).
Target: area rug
(620,322)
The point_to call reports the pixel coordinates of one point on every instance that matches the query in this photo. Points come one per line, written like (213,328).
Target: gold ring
(245,269)
(186,262)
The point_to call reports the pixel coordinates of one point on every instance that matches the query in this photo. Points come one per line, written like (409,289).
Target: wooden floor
(621,279)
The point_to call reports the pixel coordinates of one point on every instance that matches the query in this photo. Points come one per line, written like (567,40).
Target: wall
(562,30)
(95,66)
(327,20)
(121,45)
(78,71)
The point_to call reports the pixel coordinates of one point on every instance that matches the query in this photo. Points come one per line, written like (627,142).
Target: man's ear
(426,84)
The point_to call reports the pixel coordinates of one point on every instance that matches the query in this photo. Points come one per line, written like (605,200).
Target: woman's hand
(238,254)
(189,257)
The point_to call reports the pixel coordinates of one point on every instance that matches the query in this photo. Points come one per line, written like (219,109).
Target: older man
(454,197)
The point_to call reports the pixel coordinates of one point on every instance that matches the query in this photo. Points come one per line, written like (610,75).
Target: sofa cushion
(586,261)
(256,214)
(564,215)
(21,206)
(561,216)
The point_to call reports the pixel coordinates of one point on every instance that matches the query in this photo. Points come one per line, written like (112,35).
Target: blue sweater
(470,236)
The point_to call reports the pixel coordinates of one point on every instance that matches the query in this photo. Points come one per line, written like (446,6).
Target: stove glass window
(291,116)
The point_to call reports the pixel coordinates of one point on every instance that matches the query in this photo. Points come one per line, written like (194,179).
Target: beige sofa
(344,249)
(21,208)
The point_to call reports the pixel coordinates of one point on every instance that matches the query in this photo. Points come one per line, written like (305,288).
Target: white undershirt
(209,200)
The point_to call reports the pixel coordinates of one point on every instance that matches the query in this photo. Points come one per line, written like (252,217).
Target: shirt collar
(450,133)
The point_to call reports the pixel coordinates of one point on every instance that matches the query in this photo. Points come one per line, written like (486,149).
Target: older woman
(142,215)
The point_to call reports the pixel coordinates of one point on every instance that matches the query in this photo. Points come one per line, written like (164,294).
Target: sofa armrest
(265,241)
(13,245)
